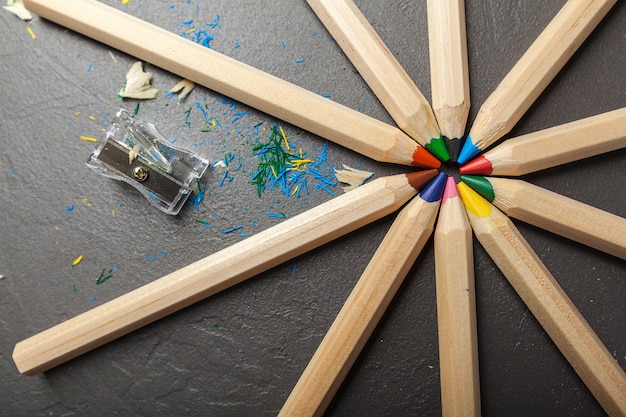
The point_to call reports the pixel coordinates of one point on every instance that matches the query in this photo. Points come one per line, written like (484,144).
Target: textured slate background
(240,352)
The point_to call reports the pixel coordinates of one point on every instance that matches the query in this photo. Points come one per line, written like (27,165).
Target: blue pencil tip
(434,189)
(468,151)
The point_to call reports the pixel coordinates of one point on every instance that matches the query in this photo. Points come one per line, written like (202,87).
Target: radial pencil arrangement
(461,186)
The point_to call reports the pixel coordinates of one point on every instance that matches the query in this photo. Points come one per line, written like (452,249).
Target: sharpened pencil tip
(481,185)
(450,191)
(474,202)
(433,190)
(437,147)
(418,179)
(424,159)
(468,151)
(478,166)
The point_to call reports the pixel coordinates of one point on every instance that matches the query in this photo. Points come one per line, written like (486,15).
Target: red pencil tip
(424,159)
(478,166)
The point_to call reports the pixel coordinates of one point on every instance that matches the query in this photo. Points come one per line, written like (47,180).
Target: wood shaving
(186,86)
(17,8)
(352,176)
(133,153)
(138,84)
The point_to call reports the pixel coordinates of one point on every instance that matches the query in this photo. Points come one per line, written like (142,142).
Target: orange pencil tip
(424,159)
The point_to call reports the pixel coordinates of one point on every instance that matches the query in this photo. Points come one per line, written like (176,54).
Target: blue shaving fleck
(232,229)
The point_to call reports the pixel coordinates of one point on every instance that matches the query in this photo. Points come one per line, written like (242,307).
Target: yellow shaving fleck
(88,138)
(31,33)
(92,117)
(295,189)
(282,132)
(77,114)
(77,260)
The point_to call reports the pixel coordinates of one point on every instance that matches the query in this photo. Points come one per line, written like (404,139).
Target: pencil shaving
(137,84)
(184,87)
(352,176)
(17,8)
(133,153)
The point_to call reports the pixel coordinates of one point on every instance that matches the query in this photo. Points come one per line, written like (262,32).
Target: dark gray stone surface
(240,352)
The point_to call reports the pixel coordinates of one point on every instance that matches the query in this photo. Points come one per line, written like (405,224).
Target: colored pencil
(211,69)
(558,145)
(382,72)
(533,72)
(456,308)
(449,74)
(554,212)
(366,304)
(218,271)
(552,308)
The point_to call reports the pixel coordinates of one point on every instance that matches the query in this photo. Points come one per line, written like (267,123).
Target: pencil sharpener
(134,151)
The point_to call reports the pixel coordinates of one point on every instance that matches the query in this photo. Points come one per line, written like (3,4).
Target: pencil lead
(473,202)
(434,190)
(481,185)
(454,147)
(437,147)
(424,159)
(450,191)
(419,179)
(467,151)
(477,166)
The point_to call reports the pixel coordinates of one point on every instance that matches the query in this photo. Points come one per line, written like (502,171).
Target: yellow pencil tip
(473,201)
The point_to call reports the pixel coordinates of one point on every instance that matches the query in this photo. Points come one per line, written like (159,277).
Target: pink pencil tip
(450,191)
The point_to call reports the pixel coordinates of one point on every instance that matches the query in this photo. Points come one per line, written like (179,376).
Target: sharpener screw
(140,173)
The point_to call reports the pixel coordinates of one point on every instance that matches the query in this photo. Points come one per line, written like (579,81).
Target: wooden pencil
(382,72)
(533,72)
(366,304)
(567,328)
(456,308)
(554,212)
(558,145)
(449,74)
(209,68)
(216,272)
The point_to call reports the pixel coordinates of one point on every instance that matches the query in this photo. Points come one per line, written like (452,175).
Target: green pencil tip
(481,185)
(437,146)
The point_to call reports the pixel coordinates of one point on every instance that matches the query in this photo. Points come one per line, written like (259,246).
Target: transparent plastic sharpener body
(133,151)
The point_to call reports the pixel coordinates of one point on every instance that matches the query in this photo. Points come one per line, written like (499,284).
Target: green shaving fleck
(102,278)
